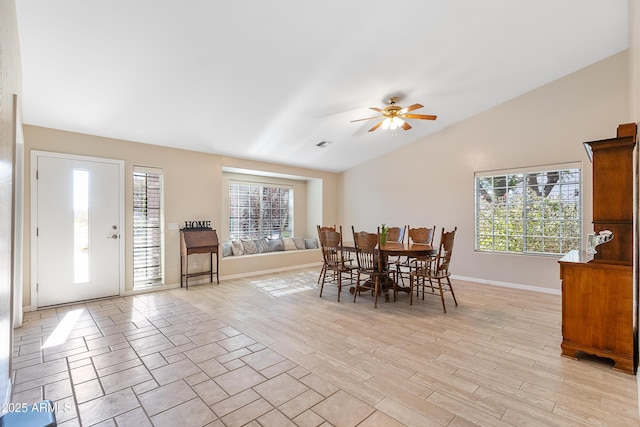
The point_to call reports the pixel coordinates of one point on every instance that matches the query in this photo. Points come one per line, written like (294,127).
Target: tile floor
(267,351)
(155,359)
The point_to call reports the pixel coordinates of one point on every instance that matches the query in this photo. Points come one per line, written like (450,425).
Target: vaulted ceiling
(268,80)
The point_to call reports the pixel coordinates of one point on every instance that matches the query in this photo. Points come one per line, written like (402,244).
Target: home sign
(197,224)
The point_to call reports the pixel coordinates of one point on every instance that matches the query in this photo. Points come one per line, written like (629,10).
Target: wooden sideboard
(198,241)
(598,307)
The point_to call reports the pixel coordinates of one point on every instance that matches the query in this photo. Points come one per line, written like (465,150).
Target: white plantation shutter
(147,227)
(260,210)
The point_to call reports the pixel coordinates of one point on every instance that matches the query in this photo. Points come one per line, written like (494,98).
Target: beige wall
(432,181)
(193,189)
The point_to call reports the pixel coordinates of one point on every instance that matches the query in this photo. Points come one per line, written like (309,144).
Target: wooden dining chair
(334,261)
(370,264)
(321,228)
(421,235)
(395,235)
(438,269)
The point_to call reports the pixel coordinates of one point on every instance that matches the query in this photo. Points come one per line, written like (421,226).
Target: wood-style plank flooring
(267,351)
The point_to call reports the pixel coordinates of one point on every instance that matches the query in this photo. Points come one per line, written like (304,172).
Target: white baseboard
(509,285)
(150,289)
(27,308)
(192,282)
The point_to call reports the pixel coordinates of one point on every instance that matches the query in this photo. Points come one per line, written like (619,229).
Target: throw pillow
(249,247)
(262,245)
(289,245)
(236,247)
(227,249)
(299,242)
(276,245)
(311,243)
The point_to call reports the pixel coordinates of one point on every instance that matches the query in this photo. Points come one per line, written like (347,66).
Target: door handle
(113,236)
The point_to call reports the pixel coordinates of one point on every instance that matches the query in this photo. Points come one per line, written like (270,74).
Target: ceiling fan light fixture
(391,117)
(392,123)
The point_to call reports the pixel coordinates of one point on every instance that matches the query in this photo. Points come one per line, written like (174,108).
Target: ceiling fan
(393,116)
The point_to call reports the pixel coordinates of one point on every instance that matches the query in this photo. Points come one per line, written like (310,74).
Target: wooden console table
(198,241)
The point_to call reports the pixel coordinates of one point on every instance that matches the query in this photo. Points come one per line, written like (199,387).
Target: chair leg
(376,282)
(323,271)
(355,291)
(339,284)
(402,273)
(395,287)
(322,275)
(444,308)
(411,290)
(451,290)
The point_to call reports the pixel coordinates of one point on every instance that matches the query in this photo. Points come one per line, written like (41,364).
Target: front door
(77,228)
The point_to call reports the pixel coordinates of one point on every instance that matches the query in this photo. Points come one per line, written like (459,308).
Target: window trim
(525,171)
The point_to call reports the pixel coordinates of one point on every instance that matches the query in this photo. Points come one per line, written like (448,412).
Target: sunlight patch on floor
(64,328)
(284,286)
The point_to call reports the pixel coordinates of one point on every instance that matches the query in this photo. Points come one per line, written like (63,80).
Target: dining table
(400,249)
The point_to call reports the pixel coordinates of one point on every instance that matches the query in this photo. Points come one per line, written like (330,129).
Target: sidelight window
(147,227)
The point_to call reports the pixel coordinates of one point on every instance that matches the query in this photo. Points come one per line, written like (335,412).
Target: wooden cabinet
(598,307)
(613,195)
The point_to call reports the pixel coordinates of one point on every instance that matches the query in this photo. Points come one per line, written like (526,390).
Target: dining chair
(395,235)
(437,269)
(421,235)
(370,264)
(321,228)
(333,255)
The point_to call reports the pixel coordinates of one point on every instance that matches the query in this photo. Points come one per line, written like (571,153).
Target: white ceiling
(267,80)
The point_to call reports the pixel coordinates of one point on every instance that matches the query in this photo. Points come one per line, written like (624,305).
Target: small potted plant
(384,233)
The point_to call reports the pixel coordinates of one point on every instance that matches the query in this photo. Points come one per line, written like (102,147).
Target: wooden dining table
(400,249)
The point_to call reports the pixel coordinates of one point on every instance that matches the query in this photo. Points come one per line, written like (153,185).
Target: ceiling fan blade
(376,126)
(411,108)
(368,118)
(376,109)
(406,126)
(420,116)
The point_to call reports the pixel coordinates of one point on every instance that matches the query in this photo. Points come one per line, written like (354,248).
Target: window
(529,212)
(260,210)
(147,227)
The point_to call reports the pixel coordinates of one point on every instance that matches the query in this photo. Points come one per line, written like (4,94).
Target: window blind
(260,210)
(147,227)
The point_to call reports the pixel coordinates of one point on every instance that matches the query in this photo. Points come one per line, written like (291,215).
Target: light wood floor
(268,351)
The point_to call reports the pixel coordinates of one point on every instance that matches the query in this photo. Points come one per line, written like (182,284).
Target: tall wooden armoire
(598,307)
